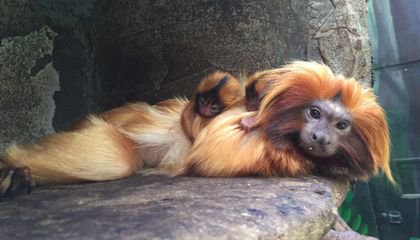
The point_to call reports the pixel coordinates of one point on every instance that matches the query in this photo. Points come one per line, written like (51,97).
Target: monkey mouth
(315,150)
(309,148)
(205,112)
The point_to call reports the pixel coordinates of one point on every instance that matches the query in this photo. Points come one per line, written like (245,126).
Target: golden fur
(114,144)
(224,149)
(109,146)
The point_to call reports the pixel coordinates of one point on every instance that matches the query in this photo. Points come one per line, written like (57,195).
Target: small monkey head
(208,106)
(326,124)
(215,93)
(208,102)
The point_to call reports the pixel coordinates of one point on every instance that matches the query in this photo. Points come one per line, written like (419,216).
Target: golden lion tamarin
(216,93)
(309,121)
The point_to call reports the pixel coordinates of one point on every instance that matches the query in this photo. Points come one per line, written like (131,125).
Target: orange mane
(303,82)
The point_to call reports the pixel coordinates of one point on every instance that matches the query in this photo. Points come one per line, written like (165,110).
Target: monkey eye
(201,100)
(342,125)
(214,108)
(315,113)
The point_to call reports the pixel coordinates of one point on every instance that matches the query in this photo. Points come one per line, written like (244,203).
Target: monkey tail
(98,152)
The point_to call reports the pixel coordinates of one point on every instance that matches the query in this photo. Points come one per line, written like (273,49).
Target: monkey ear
(338,97)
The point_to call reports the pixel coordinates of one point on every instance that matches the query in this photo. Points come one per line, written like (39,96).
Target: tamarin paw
(14,181)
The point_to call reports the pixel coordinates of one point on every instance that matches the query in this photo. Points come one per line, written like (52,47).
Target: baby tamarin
(309,121)
(258,84)
(216,93)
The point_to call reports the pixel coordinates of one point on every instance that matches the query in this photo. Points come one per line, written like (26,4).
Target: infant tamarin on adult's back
(216,93)
(308,121)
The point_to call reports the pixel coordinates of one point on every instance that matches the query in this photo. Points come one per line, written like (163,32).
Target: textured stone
(28,82)
(155,207)
(18,18)
(340,29)
(145,46)
(110,52)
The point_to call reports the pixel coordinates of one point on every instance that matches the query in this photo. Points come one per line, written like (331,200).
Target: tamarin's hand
(15,180)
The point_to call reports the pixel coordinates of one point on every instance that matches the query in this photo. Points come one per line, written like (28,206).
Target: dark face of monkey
(324,134)
(326,123)
(208,103)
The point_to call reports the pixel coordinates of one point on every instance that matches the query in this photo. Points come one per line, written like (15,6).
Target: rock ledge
(156,207)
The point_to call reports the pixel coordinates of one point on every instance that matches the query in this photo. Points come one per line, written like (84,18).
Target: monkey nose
(206,112)
(321,139)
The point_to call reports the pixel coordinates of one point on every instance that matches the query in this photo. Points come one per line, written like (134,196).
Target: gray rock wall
(28,82)
(108,52)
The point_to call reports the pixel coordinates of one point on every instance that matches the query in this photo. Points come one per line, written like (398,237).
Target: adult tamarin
(217,92)
(309,122)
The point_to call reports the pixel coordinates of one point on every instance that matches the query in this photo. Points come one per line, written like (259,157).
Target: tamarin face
(215,93)
(326,124)
(208,103)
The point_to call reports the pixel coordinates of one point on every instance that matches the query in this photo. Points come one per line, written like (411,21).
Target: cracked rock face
(155,207)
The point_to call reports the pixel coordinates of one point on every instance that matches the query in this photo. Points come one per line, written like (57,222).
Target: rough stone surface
(338,36)
(155,207)
(18,18)
(145,46)
(110,52)
(28,82)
